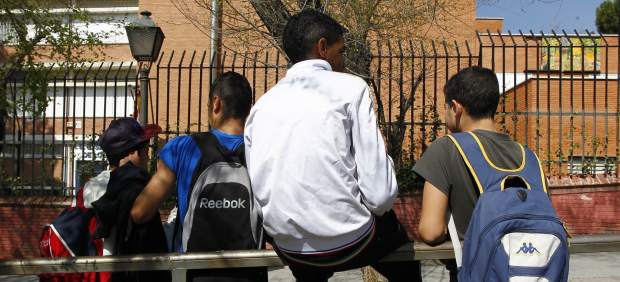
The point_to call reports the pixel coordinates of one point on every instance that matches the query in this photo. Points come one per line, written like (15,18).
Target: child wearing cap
(125,144)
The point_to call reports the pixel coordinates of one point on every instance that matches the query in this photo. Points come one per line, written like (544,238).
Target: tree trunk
(358,58)
(274,15)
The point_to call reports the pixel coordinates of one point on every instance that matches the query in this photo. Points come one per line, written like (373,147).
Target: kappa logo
(222,204)
(528,249)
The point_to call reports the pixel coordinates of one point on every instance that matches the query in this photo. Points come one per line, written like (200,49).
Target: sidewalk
(599,267)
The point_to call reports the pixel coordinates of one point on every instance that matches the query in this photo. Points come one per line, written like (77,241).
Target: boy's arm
(432,226)
(375,171)
(155,192)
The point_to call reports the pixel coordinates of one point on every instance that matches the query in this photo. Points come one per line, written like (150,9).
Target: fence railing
(253,258)
(559,97)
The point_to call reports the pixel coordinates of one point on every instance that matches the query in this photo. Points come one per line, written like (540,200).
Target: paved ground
(599,267)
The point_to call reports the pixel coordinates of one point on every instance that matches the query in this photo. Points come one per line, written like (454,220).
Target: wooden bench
(254,258)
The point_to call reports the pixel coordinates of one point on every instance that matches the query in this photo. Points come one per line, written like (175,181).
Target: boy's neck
(487,124)
(231,126)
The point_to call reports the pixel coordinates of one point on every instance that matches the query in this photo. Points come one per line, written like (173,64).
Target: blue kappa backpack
(514,233)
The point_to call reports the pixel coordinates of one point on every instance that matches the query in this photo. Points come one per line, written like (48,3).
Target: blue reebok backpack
(514,233)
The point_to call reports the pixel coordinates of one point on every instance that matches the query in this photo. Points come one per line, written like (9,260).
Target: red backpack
(70,235)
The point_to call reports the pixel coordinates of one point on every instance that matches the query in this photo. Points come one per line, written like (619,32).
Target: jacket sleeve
(375,170)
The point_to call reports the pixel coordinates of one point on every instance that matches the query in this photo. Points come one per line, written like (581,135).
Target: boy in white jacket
(318,164)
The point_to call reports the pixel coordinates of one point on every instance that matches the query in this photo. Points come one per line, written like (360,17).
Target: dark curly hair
(477,89)
(305,29)
(235,93)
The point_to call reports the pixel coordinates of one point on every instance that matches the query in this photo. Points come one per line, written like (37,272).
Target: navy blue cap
(124,134)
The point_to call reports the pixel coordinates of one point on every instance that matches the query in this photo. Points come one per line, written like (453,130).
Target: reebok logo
(222,204)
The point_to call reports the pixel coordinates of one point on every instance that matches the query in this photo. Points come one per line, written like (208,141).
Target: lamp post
(145,41)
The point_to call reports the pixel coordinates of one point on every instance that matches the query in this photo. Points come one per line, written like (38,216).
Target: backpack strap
(533,171)
(486,174)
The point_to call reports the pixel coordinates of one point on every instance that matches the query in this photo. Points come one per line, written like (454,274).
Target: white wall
(94,102)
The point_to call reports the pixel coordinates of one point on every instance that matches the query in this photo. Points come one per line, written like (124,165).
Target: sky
(542,15)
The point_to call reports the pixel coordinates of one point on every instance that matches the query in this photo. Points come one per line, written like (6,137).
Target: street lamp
(145,40)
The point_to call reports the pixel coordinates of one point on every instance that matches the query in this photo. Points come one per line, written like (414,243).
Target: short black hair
(477,89)
(235,93)
(305,29)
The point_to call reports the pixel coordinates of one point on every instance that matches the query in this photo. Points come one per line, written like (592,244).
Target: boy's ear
(457,108)
(322,48)
(216,104)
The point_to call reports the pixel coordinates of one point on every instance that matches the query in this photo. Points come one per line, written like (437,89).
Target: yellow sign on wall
(570,54)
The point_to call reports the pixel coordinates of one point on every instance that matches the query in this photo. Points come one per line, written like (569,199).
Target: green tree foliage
(35,31)
(607,16)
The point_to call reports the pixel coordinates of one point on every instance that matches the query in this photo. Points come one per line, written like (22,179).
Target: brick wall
(589,210)
(489,24)
(586,209)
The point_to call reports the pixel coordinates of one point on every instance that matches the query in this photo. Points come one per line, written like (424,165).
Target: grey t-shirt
(443,166)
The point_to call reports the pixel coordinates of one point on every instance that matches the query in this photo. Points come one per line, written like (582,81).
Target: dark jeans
(388,236)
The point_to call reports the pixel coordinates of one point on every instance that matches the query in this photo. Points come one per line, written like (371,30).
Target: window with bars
(7,33)
(592,165)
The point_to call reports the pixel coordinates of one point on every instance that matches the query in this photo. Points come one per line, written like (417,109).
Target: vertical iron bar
(212,62)
(54,89)
(265,72)
(548,161)
(234,61)
(606,149)
(65,113)
(17,137)
(200,82)
(277,67)
(560,151)
(94,132)
(413,93)
(189,94)
(435,74)
(244,66)
(157,78)
(480,46)
(44,130)
(595,140)
(514,86)
(571,130)
(446,77)
(254,77)
(423,128)
(400,93)
(526,90)
(84,111)
(105,95)
(538,61)
(168,66)
(503,94)
(583,100)
(378,82)
(179,77)
(458,57)
(492,50)
(74,127)
(120,67)
(389,77)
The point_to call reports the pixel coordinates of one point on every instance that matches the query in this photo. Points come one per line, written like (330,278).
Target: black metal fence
(560,97)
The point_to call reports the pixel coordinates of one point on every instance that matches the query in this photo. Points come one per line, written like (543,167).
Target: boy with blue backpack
(483,187)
